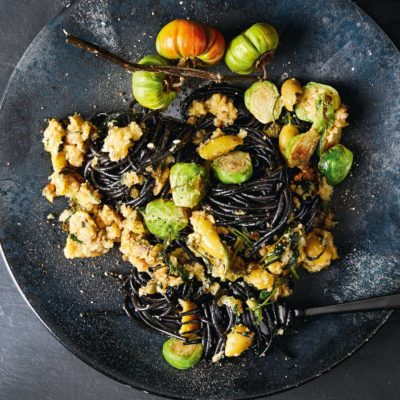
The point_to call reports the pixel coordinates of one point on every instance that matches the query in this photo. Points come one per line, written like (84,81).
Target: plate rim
(85,359)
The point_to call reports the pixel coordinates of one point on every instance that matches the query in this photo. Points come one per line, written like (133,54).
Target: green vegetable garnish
(300,148)
(74,237)
(149,88)
(325,116)
(181,355)
(263,101)
(335,164)
(188,184)
(164,219)
(307,108)
(234,167)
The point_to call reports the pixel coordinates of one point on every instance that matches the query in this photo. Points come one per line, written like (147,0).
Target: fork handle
(375,303)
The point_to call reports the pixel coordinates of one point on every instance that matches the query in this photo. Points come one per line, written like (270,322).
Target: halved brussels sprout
(329,138)
(332,133)
(291,91)
(301,147)
(219,146)
(325,116)
(335,164)
(164,219)
(181,355)
(263,101)
(148,87)
(307,108)
(235,167)
(188,184)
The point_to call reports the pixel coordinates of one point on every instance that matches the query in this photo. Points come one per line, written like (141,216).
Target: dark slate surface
(33,365)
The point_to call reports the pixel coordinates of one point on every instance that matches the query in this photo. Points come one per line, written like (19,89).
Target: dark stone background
(34,366)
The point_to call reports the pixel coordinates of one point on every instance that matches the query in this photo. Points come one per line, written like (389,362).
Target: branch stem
(182,72)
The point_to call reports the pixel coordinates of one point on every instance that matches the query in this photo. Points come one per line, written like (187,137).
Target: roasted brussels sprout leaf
(188,183)
(307,108)
(181,355)
(335,164)
(148,87)
(329,138)
(164,219)
(325,116)
(263,101)
(301,147)
(235,167)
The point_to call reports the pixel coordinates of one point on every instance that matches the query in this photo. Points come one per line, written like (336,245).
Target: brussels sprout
(325,116)
(291,91)
(263,101)
(335,164)
(287,132)
(219,146)
(245,53)
(188,184)
(235,167)
(148,87)
(300,148)
(332,133)
(181,355)
(329,138)
(313,92)
(164,219)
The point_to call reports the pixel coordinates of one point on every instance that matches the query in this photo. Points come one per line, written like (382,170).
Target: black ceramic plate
(328,41)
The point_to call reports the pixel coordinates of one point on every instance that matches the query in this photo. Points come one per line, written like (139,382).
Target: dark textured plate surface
(332,42)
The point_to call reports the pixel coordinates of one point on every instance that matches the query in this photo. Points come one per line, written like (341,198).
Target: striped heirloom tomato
(252,49)
(184,40)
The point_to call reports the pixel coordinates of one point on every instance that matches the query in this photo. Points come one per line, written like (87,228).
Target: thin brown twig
(182,72)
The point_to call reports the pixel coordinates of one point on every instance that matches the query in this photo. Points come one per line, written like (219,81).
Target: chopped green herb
(74,238)
(244,236)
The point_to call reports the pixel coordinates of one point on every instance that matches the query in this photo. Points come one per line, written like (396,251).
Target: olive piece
(291,91)
(287,132)
(219,146)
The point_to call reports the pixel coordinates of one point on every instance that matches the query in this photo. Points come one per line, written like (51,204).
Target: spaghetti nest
(242,245)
